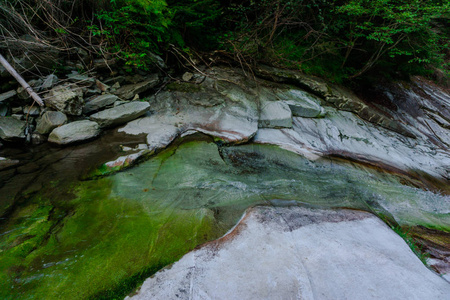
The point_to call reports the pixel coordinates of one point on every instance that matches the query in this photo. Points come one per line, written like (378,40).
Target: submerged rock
(300,253)
(120,114)
(12,129)
(74,132)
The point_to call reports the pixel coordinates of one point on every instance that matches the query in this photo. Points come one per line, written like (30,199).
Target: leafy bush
(341,38)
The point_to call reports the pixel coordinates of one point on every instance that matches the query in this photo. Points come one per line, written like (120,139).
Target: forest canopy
(337,39)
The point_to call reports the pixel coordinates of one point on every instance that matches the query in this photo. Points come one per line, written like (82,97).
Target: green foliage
(341,38)
(133,28)
(413,245)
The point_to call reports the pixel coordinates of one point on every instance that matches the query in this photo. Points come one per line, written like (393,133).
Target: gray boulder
(74,132)
(129,91)
(66,99)
(12,129)
(7,95)
(120,114)
(49,121)
(99,102)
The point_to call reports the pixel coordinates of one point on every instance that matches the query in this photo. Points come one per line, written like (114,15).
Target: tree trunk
(22,82)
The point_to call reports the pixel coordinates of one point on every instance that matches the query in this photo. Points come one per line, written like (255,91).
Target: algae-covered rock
(74,132)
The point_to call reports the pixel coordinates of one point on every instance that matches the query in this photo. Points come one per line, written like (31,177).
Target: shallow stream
(63,236)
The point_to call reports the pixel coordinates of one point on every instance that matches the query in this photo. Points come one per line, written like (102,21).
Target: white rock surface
(300,253)
(222,110)
(345,134)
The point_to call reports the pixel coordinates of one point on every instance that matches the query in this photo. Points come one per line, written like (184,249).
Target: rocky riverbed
(136,174)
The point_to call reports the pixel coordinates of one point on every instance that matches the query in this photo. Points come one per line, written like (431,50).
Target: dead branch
(22,82)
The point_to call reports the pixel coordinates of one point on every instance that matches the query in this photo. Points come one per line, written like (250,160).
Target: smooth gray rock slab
(49,121)
(49,81)
(74,132)
(7,95)
(300,253)
(66,99)
(275,114)
(12,129)
(120,114)
(99,102)
(81,80)
(128,92)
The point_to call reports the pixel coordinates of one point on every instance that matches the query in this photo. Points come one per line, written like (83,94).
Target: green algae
(103,242)
(100,238)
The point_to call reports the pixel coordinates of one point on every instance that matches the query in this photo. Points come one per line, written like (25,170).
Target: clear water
(99,238)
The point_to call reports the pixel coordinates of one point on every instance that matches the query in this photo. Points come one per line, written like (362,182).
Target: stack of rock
(76,108)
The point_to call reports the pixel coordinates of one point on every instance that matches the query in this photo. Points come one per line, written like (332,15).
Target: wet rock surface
(299,253)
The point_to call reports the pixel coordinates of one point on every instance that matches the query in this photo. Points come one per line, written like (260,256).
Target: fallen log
(22,82)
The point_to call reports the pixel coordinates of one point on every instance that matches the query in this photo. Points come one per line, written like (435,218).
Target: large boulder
(99,102)
(12,129)
(300,253)
(120,114)
(66,98)
(129,91)
(49,121)
(74,132)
